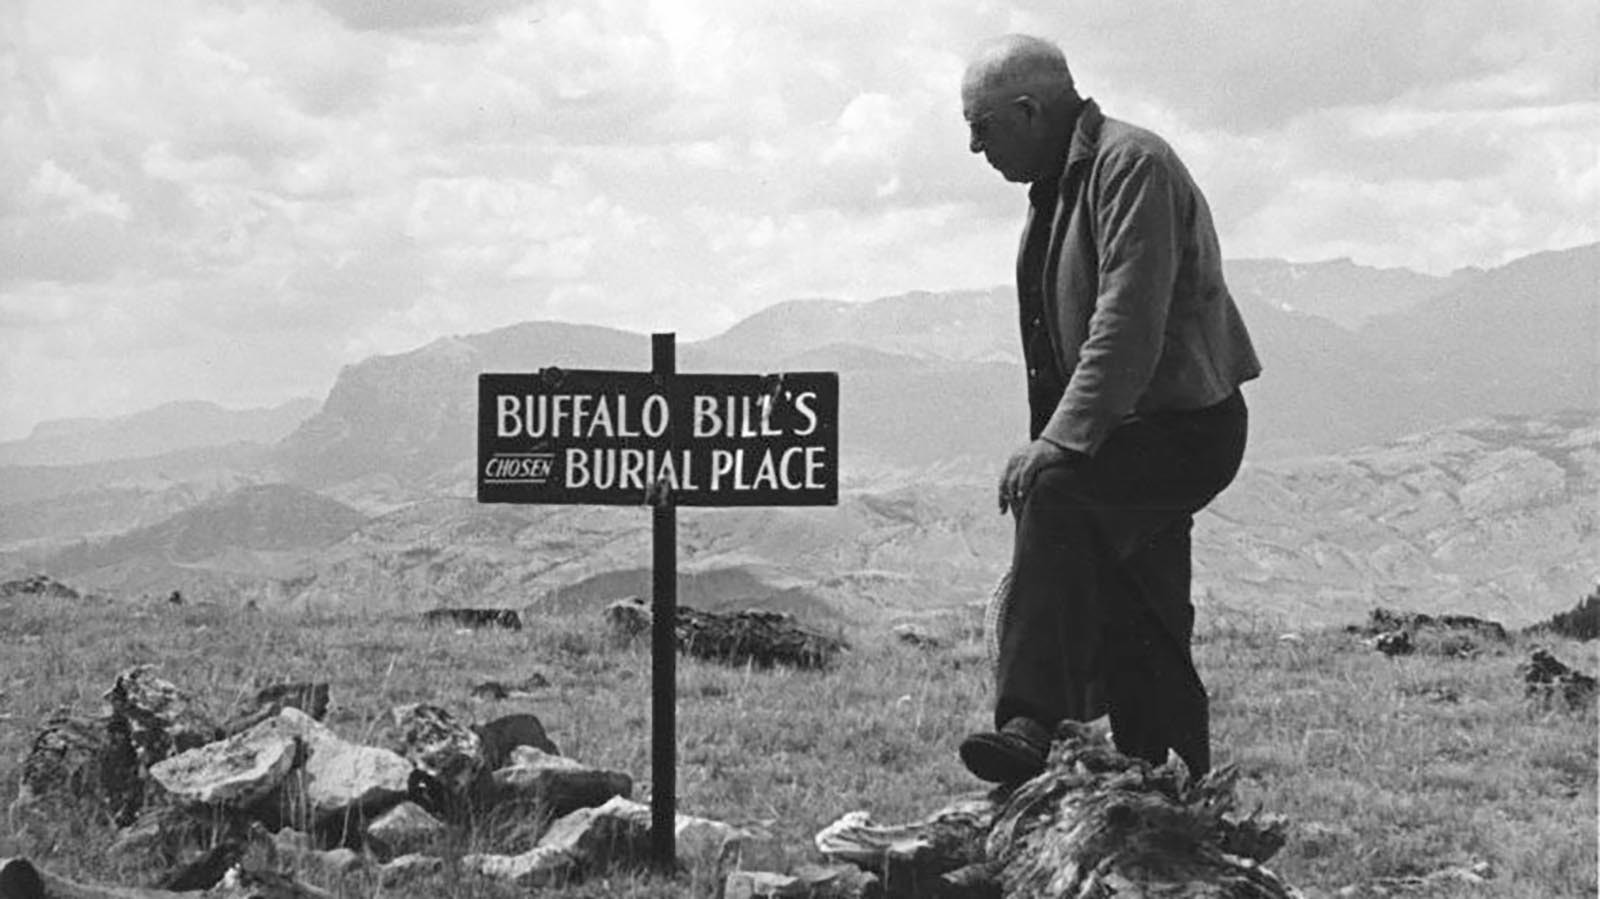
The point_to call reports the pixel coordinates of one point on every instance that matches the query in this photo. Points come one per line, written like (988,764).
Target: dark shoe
(1015,754)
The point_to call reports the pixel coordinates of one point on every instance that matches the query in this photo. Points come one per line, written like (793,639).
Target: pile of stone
(1452,636)
(40,585)
(274,788)
(1549,681)
(760,637)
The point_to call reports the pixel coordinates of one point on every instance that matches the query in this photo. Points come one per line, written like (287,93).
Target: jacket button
(1033,373)
(1037,321)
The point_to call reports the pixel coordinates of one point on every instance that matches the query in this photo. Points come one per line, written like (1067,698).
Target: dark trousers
(1099,618)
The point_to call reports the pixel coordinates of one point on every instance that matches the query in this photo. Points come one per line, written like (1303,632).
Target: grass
(1385,767)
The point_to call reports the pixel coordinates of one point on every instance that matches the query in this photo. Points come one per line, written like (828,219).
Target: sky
(229,200)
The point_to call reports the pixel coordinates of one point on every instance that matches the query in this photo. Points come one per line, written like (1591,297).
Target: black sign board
(663,439)
(604,437)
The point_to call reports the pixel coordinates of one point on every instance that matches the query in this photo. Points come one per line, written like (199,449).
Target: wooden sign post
(663,439)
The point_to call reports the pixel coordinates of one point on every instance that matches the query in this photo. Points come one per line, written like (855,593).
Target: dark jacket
(1133,298)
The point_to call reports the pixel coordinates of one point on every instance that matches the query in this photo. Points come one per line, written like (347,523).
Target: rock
(499,737)
(836,882)
(150,720)
(490,690)
(293,843)
(163,831)
(628,618)
(66,762)
(300,850)
(505,618)
(754,636)
(452,775)
(613,835)
(404,829)
(1454,878)
(409,868)
(911,635)
(808,882)
(1548,680)
(337,779)
(616,833)
(556,785)
(338,861)
(40,585)
(762,885)
(252,883)
(1394,643)
(311,698)
(497,690)
(434,740)
(238,771)
(1384,621)
(342,777)
(912,857)
(538,867)
(706,845)
(21,880)
(207,869)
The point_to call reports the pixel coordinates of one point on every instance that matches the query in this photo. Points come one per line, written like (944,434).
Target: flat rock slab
(238,771)
(615,834)
(334,777)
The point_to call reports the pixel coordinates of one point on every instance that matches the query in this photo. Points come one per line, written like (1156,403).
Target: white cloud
(194,192)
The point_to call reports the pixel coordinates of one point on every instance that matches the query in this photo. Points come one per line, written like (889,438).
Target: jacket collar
(1082,141)
(1085,134)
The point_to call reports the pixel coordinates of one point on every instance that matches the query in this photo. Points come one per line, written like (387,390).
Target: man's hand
(1024,466)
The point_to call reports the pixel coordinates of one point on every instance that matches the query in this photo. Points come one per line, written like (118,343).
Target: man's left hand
(1024,466)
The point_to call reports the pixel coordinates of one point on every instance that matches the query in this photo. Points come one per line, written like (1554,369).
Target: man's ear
(1030,108)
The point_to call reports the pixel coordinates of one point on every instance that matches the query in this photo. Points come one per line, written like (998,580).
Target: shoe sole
(1001,759)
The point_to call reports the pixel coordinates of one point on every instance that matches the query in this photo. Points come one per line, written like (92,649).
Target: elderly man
(1135,352)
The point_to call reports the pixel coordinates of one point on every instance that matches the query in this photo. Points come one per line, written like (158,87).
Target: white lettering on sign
(612,468)
(746,416)
(521,468)
(585,415)
(794,468)
(802,404)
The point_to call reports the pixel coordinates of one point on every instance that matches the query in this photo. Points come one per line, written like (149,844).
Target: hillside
(153,432)
(43,505)
(1491,516)
(261,532)
(1521,338)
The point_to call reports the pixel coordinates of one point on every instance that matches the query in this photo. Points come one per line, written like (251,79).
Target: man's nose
(975,144)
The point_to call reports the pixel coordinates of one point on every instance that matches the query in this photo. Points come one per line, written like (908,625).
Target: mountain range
(152,432)
(1423,441)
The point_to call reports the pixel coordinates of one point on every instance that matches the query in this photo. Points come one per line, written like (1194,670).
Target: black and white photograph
(827,449)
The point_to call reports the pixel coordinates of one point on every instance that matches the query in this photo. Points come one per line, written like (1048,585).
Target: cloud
(237,198)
